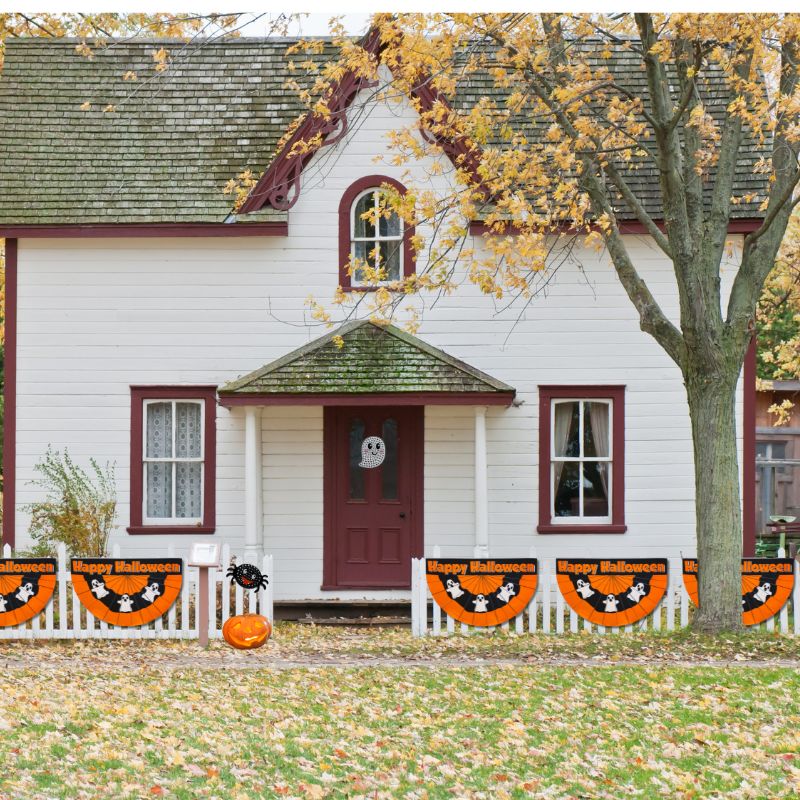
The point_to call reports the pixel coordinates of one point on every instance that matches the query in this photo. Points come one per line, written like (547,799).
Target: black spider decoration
(247,576)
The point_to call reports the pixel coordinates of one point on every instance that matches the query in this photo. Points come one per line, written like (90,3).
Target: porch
(354,521)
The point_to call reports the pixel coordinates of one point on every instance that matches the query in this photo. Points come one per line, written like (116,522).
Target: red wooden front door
(373,515)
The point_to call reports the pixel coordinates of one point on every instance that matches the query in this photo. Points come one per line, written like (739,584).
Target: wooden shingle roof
(373,359)
(166,152)
(176,138)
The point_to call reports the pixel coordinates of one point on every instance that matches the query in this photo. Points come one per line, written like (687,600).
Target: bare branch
(636,206)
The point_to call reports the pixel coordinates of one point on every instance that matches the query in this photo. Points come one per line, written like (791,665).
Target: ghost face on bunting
(373,451)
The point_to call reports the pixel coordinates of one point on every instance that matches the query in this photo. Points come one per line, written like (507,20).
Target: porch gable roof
(373,360)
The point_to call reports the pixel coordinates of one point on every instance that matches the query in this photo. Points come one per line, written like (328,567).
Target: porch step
(349,612)
(367,622)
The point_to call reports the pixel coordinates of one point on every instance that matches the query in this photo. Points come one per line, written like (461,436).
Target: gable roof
(374,359)
(177,137)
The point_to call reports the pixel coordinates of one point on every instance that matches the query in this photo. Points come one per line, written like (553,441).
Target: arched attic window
(386,245)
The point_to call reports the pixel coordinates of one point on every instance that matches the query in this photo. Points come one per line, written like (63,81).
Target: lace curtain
(159,473)
(598,414)
(561,424)
(185,475)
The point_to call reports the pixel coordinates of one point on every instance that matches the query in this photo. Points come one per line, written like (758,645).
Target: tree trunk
(712,401)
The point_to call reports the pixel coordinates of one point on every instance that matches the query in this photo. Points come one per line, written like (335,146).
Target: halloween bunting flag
(26,586)
(612,592)
(127,592)
(767,584)
(482,592)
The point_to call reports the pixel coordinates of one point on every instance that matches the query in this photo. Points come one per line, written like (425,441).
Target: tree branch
(761,246)
(719,214)
(636,206)
(692,177)
(775,208)
(689,89)
(652,319)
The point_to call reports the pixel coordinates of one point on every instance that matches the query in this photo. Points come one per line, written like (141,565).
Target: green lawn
(78,730)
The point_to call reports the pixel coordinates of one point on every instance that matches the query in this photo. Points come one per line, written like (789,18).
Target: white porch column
(252,484)
(481,549)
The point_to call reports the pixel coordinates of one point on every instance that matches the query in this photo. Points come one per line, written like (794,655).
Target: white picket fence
(66,618)
(548,613)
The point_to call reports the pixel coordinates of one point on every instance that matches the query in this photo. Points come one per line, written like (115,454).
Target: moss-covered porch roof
(372,360)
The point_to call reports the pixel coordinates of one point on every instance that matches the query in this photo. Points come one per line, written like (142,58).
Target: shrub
(78,509)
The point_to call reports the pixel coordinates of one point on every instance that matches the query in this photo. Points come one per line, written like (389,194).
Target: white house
(149,327)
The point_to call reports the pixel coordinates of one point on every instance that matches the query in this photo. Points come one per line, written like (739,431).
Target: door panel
(390,546)
(357,546)
(373,514)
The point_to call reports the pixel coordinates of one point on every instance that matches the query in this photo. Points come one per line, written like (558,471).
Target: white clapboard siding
(546,611)
(75,622)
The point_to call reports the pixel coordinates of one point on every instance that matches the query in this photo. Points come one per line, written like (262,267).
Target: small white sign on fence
(545,612)
(65,617)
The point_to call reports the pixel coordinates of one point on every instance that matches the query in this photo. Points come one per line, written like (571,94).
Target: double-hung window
(581,459)
(172,459)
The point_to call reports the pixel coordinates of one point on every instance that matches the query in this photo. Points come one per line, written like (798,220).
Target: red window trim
(7,534)
(208,394)
(345,207)
(617,395)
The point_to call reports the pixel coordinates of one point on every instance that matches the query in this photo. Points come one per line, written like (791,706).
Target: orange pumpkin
(246,631)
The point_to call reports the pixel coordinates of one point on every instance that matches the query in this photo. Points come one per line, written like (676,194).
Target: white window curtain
(159,473)
(562,418)
(598,414)
(173,456)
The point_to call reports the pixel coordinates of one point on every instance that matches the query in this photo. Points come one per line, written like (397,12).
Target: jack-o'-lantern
(246,631)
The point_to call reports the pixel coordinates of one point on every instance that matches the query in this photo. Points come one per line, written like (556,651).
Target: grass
(319,645)
(398,732)
(149,719)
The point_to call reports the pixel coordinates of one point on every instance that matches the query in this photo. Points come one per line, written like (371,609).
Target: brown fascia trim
(107,230)
(377,399)
(744,225)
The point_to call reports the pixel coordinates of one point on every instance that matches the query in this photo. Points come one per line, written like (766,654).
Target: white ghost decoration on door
(373,451)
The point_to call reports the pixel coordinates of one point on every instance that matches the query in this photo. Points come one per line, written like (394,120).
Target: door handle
(402,515)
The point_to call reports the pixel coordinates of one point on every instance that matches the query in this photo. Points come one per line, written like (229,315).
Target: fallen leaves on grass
(499,731)
(148,719)
(308,645)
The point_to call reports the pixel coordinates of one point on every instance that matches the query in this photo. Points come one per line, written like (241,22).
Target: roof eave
(229,399)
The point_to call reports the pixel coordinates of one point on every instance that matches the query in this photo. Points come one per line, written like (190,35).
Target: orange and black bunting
(127,592)
(612,592)
(26,586)
(482,592)
(767,584)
